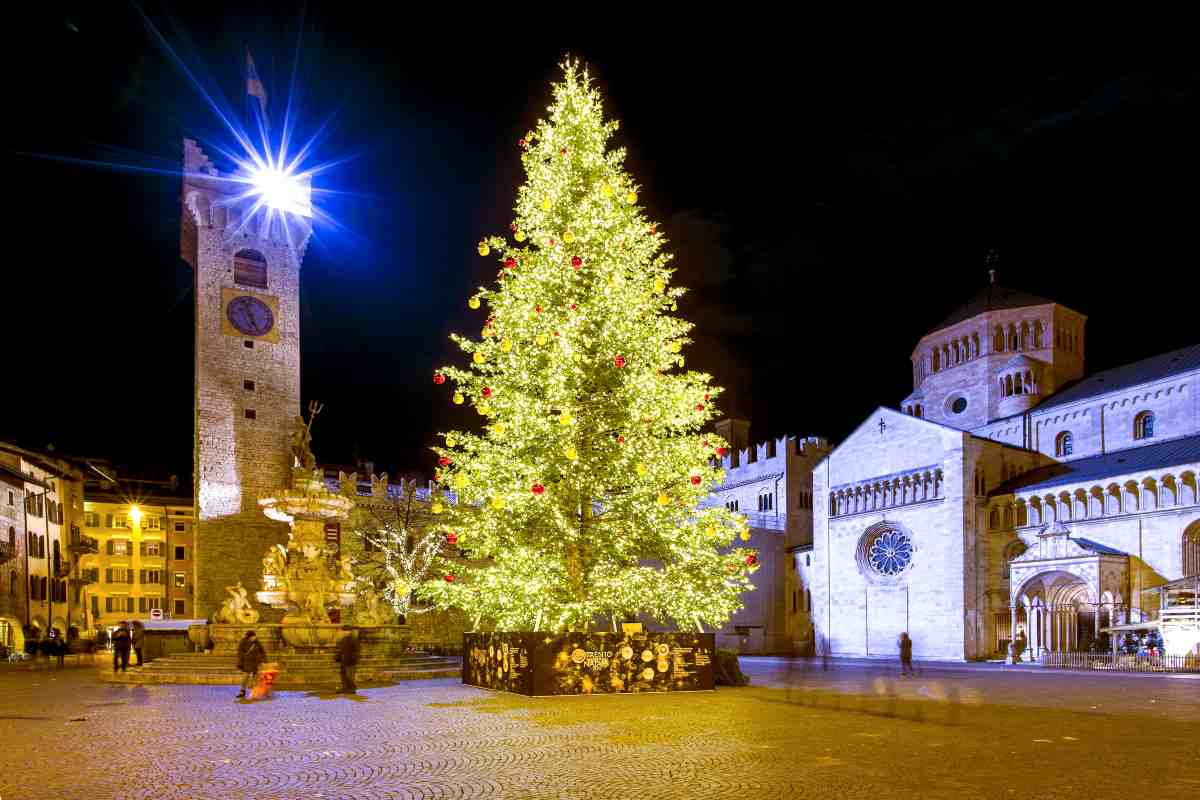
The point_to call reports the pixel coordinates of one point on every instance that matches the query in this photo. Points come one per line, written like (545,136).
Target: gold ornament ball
(676,347)
(642,469)
(483,408)
(571,453)
(473,303)
(631,198)
(484,249)
(458,398)
(606,190)
(436,507)
(498,428)
(541,338)
(568,237)
(478,358)
(565,419)
(519,236)
(545,204)
(497,502)
(663,499)
(744,536)
(451,441)
(659,285)
(506,345)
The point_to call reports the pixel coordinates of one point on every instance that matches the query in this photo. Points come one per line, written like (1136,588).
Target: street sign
(156,613)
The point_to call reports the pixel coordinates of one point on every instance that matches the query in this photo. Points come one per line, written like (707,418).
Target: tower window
(248,386)
(1143,426)
(1064,445)
(250,269)
(248,344)
(251,413)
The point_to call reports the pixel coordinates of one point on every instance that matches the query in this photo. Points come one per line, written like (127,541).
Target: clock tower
(247,367)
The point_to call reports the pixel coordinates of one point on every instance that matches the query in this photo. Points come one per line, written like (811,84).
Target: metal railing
(7,551)
(1121,662)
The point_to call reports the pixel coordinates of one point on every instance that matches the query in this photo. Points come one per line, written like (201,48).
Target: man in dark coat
(250,657)
(347,657)
(121,642)
(906,665)
(138,635)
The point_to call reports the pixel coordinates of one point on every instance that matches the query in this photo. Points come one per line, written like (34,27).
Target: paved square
(853,732)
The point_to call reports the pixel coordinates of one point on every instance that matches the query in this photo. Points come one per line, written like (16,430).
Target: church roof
(1096,547)
(1184,450)
(1110,380)
(992,298)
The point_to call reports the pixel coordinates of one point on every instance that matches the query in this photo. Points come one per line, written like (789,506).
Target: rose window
(890,553)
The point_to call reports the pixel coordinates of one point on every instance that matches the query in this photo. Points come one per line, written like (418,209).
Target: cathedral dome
(992,298)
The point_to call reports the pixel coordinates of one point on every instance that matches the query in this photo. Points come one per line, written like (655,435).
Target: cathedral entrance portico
(1066,589)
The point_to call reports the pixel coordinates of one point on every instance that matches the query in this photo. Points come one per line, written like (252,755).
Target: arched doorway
(1191,550)
(1061,612)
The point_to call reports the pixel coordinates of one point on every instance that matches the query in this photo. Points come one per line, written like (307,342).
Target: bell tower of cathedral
(246,269)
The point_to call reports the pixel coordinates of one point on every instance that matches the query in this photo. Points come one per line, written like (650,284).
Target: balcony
(62,569)
(6,552)
(86,576)
(82,544)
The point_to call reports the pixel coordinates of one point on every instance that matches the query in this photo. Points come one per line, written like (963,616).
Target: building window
(10,497)
(180,580)
(248,344)
(808,559)
(248,386)
(1143,426)
(91,519)
(766,502)
(180,527)
(250,269)
(1064,445)
(251,414)
(180,553)
(152,548)
(179,610)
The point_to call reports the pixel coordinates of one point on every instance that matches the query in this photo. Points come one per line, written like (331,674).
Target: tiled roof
(1144,371)
(1184,450)
(992,298)
(1096,547)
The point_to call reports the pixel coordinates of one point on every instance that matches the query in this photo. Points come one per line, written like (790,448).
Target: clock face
(250,315)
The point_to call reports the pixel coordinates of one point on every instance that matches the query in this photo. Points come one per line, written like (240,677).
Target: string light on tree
(566,526)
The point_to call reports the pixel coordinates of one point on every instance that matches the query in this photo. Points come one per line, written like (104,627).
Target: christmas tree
(579,500)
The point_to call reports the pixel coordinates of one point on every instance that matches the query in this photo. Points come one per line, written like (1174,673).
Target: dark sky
(828,207)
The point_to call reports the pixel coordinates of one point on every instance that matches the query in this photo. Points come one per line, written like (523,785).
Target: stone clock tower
(247,290)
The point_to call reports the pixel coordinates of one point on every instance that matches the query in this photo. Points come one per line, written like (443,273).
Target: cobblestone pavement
(798,733)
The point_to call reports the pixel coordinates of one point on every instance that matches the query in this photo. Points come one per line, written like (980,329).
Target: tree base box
(547,664)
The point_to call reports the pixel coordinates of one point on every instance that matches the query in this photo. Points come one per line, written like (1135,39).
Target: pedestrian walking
(347,656)
(906,665)
(138,636)
(121,641)
(250,657)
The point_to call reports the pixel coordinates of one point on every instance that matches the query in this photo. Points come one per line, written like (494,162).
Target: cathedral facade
(1009,494)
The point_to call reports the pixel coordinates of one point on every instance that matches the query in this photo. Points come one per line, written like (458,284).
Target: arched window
(1064,445)
(250,269)
(1143,425)
(1037,334)
(998,340)
(994,520)
(807,600)
(1191,550)
(1012,551)
(12,539)
(920,412)
(936,360)
(1008,385)
(57,557)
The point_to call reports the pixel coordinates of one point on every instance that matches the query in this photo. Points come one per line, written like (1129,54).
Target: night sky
(827,207)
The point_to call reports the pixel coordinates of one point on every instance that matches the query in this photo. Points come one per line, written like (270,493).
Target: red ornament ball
(722,451)
(576,262)
(510,262)
(706,398)
(439,378)
(520,142)
(487,392)
(619,361)
(730,567)
(654,229)
(751,560)
(437,476)
(573,306)
(699,406)
(695,480)
(452,538)
(620,440)
(444,461)
(562,152)
(512,226)
(450,578)
(551,242)
(537,309)
(537,489)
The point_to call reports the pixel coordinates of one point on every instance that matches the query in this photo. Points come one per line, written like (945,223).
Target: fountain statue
(302,577)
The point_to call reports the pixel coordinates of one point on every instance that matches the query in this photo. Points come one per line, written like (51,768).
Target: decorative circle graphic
(959,405)
(250,315)
(890,553)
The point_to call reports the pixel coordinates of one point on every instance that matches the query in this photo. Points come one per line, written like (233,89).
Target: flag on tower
(254,84)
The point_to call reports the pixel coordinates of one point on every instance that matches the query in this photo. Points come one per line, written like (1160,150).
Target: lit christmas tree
(579,500)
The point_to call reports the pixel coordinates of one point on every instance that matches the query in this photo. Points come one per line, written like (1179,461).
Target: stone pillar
(1012,634)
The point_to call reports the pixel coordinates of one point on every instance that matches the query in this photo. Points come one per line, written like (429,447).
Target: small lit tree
(406,546)
(580,498)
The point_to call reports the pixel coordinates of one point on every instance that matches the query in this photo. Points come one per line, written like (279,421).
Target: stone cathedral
(1011,492)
